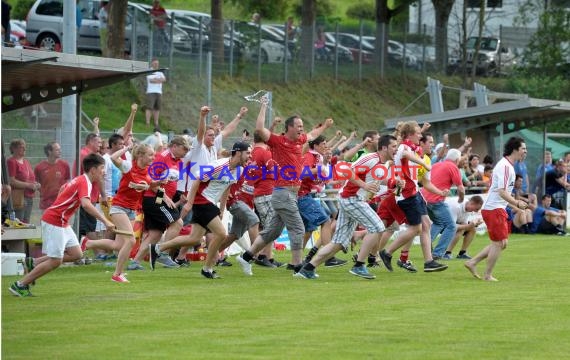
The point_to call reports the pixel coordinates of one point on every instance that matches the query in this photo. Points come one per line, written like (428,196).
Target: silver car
(45,27)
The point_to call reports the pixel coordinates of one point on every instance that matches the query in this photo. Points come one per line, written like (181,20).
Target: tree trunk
(308,31)
(116,27)
(442,10)
(382,21)
(217,35)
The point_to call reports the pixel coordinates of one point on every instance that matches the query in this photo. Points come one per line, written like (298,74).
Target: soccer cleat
(407,265)
(277,264)
(265,262)
(134,265)
(306,274)
(121,278)
(245,266)
(166,261)
(84,241)
(463,256)
(334,262)
(447,257)
(434,266)
(361,271)
(21,291)
(182,262)
(387,260)
(153,255)
(223,262)
(210,274)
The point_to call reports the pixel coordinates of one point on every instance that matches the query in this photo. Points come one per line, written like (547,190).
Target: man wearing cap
(205,148)
(287,153)
(159,206)
(212,187)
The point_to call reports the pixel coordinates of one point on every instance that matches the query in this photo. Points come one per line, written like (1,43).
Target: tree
(309,11)
(384,13)
(548,51)
(442,10)
(217,35)
(116,25)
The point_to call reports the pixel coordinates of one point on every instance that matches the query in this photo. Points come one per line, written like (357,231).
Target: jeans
(443,223)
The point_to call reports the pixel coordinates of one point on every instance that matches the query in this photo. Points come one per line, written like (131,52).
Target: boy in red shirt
(59,241)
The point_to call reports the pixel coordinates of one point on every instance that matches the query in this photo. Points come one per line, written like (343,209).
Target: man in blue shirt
(548,220)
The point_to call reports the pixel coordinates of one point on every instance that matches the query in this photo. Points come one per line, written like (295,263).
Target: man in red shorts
(493,211)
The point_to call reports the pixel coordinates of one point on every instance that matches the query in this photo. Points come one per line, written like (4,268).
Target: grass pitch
(78,313)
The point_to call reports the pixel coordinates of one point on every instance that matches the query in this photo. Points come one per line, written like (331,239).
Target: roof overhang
(527,111)
(31,76)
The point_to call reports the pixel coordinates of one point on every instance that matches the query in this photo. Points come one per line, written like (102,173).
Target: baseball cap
(240,146)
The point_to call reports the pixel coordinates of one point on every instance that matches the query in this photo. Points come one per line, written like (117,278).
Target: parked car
(493,58)
(45,27)
(17,32)
(271,46)
(425,55)
(353,43)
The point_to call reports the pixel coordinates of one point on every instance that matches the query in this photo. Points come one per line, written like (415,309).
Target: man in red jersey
(213,187)
(161,213)
(369,172)
(59,241)
(410,200)
(52,174)
(287,154)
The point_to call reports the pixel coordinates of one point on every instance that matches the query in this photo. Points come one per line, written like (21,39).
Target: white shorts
(56,239)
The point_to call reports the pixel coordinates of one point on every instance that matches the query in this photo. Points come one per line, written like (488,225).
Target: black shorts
(158,217)
(413,207)
(202,214)
(87,222)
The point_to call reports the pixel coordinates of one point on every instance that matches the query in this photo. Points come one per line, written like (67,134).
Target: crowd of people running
(276,181)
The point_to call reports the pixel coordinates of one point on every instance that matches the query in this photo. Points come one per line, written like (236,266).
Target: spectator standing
(493,211)
(159,18)
(540,171)
(22,180)
(103,27)
(52,173)
(522,170)
(154,83)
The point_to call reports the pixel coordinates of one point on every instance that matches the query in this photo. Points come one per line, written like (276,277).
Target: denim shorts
(312,213)
(121,210)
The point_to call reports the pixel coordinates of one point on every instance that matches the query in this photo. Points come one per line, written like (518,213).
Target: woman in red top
(126,202)
(22,180)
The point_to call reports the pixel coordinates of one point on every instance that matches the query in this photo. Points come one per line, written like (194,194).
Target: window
(50,7)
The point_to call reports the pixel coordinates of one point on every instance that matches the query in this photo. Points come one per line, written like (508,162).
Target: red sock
(404,256)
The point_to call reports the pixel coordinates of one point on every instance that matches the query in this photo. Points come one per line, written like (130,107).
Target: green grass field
(78,313)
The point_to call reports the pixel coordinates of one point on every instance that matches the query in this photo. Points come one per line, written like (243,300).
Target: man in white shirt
(154,83)
(493,211)
(465,215)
